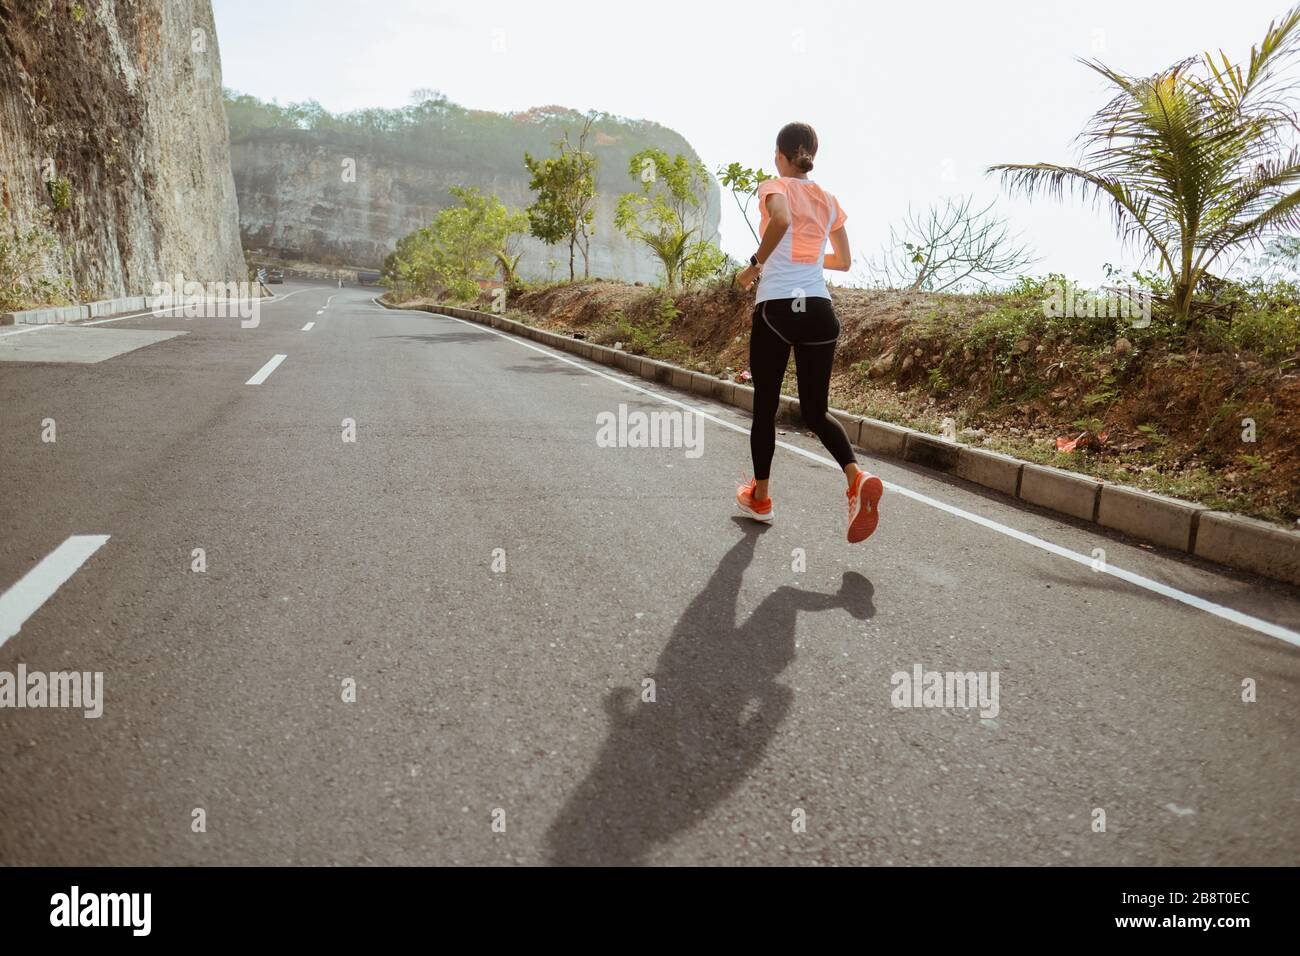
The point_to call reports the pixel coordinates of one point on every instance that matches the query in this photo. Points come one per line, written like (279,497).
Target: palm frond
(1192,160)
(1231,87)
(1130,210)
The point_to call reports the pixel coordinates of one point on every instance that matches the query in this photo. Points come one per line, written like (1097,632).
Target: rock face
(116,106)
(295,201)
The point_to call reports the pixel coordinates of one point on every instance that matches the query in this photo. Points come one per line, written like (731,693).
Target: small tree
(1193,161)
(949,245)
(669,214)
(481,232)
(743,181)
(566,192)
(510,232)
(463,244)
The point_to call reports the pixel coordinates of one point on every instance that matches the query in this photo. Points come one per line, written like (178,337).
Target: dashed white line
(1191,600)
(35,587)
(308,326)
(265,371)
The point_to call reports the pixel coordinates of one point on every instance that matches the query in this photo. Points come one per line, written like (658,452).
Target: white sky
(911,100)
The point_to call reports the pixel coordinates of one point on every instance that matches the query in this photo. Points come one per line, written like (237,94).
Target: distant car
(275,275)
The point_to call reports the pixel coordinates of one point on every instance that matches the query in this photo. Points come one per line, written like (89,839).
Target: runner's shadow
(666,764)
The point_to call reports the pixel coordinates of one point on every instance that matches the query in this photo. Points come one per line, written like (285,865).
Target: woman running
(793,311)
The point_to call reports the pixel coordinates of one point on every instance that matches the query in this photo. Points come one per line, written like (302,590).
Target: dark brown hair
(798,143)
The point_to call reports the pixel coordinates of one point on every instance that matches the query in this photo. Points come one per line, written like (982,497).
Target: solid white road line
(1191,600)
(35,587)
(307,327)
(265,371)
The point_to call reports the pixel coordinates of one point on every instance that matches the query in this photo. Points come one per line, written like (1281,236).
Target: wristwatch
(753,261)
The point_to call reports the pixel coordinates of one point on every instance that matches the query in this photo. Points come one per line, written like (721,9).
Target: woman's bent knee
(813,418)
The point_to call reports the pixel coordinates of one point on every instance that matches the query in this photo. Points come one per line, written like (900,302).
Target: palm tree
(671,247)
(1193,161)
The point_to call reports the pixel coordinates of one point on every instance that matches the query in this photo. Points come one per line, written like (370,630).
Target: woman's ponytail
(798,143)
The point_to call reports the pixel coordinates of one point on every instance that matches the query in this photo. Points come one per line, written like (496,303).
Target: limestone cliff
(111,123)
(346,189)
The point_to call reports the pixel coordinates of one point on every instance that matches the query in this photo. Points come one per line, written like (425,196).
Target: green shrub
(639,339)
(461,290)
(651,338)
(60,191)
(667,312)
(1255,316)
(23,274)
(1272,335)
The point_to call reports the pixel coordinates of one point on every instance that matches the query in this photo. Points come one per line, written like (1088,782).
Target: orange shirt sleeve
(765,189)
(840,217)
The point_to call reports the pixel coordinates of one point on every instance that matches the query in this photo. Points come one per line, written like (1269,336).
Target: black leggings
(811,332)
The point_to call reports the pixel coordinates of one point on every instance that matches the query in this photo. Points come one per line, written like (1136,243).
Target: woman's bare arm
(778,221)
(840,258)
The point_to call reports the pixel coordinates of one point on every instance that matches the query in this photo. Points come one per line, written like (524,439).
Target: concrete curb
(990,469)
(107,307)
(1058,490)
(63,315)
(1161,520)
(1231,540)
(882,438)
(930,451)
(1251,545)
(56,315)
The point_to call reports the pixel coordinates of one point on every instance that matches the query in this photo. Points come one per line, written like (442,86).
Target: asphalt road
(516,696)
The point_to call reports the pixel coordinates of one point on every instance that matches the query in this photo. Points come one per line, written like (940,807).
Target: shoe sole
(748,512)
(864,522)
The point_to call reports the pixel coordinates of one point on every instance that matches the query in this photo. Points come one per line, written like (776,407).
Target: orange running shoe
(758,510)
(864,506)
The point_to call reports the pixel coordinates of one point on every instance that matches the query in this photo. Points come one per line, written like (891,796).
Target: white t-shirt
(794,269)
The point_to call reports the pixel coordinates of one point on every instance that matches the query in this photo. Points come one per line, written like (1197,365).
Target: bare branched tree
(950,245)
